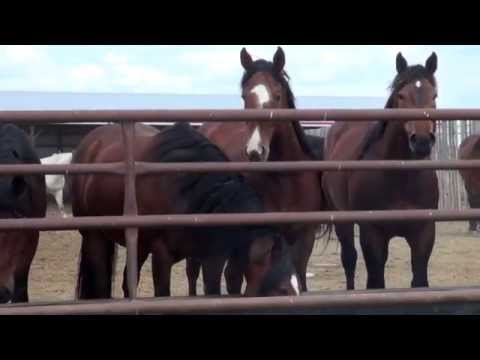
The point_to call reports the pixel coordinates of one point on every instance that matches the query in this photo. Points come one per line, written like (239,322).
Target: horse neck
(394,144)
(285,144)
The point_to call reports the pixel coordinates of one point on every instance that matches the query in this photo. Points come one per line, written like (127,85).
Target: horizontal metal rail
(142,168)
(304,115)
(203,220)
(376,301)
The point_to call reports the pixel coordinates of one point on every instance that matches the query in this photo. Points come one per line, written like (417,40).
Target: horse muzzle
(421,145)
(258,154)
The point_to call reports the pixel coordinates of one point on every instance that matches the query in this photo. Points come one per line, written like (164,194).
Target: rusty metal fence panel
(131,221)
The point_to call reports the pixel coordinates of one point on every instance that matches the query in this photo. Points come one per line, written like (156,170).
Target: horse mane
(14,138)
(283,79)
(377,129)
(210,192)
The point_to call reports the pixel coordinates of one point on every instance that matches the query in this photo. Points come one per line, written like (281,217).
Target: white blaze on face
(254,142)
(294,282)
(263,96)
(418,84)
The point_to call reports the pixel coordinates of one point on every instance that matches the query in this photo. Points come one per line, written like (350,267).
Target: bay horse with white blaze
(262,250)
(470,150)
(413,87)
(21,196)
(265,85)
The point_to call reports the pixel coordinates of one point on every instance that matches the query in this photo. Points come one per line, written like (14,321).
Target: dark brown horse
(265,86)
(413,87)
(261,249)
(21,196)
(470,150)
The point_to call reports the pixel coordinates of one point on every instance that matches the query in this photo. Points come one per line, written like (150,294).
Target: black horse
(21,196)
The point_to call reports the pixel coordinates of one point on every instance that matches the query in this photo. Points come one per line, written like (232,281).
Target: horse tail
(85,288)
(80,290)
(326,234)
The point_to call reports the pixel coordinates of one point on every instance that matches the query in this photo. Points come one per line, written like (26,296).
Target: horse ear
(279,60)
(245,59)
(401,63)
(431,63)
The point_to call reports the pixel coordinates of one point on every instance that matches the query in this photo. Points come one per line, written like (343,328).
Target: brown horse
(265,86)
(261,250)
(413,87)
(470,150)
(21,196)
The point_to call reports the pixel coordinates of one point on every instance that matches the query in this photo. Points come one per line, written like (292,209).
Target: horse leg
(375,252)
(162,264)
(142,257)
(348,255)
(24,261)
(95,274)
(474,202)
(303,247)
(234,275)
(193,270)
(421,246)
(59,200)
(212,269)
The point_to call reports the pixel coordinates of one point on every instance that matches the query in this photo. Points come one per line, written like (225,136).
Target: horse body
(97,195)
(21,196)
(56,182)
(382,189)
(470,150)
(265,85)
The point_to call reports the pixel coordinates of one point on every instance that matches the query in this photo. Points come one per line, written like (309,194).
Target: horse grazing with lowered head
(56,182)
(21,196)
(470,150)
(265,85)
(262,250)
(413,87)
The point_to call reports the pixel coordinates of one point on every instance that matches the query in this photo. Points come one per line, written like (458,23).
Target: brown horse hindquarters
(470,150)
(101,195)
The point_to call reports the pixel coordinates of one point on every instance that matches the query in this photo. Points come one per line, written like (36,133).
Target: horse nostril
(254,156)
(413,139)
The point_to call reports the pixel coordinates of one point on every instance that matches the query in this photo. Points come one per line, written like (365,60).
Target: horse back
(104,145)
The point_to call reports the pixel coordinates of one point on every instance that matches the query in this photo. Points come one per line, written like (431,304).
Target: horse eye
(401,97)
(15,153)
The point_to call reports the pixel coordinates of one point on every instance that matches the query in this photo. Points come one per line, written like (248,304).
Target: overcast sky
(314,70)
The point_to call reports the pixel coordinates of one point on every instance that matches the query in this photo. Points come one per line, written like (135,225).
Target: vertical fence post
(130,207)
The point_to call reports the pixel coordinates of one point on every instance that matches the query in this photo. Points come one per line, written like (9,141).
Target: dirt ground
(455,261)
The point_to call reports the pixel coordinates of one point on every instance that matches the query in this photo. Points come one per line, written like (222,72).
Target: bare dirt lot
(455,262)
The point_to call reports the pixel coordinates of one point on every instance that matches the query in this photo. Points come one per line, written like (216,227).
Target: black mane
(210,192)
(215,193)
(15,140)
(283,79)
(411,74)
